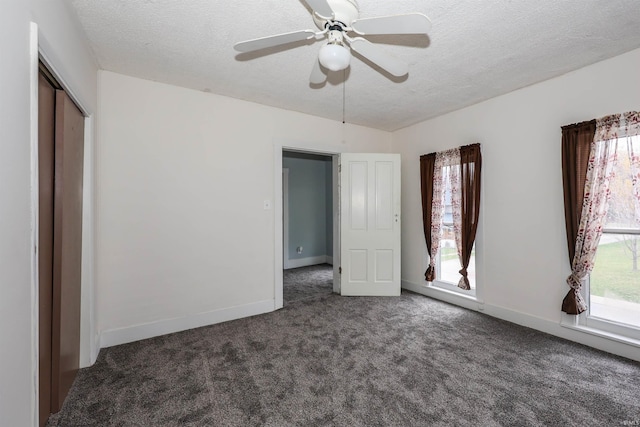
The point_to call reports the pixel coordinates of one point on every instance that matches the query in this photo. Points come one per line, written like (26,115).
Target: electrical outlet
(299,249)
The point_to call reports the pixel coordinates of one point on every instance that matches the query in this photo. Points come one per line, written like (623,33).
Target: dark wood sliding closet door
(61,158)
(67,246)
(46,144)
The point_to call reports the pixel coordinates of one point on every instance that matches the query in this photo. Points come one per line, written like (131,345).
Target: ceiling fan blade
(410,23)
(321,7)
(317,76)
(271,41)
(379,57)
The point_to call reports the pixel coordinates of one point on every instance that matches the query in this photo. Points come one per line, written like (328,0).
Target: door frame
(40,50)
(278,215)
(285,217)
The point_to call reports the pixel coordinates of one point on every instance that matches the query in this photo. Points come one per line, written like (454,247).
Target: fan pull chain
(344,84)
(344,127)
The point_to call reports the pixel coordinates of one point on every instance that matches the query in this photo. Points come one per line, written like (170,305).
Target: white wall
(65,47)
(182,236)
(522,260)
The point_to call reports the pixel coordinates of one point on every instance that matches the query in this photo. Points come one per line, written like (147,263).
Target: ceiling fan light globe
(334,57)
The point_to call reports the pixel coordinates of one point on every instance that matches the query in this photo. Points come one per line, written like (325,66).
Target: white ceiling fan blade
(317,76)
(379,57)
(321,7)
(270,41)
(410,23)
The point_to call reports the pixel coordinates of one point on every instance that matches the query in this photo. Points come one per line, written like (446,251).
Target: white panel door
(370,224)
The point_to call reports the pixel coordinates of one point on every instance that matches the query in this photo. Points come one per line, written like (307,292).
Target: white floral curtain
(456,212)
(633,150)
(444,159)
(602,161)
(631,129)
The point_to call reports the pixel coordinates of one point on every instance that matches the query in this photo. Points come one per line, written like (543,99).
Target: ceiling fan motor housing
(335,37)
(344,11)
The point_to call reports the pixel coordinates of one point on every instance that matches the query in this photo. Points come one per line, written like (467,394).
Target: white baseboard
(162,327)
(529,321)
(305,262)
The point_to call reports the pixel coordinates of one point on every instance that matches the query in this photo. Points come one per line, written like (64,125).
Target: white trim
(96,347)
(335,177)
(278,148)
(599,326)
(570,323)
(285,217)
(35,311)
(162,327)
(313,260)
(49,61)
(88,349)
(568,332)
(612,328)
(602,327)
(452,287)
(278,301)
(329,260)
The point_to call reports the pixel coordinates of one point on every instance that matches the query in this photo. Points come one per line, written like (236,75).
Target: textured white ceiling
(475,50)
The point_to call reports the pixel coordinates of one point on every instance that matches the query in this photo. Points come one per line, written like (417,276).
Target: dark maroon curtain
(427,163)
(576,144)
(470,168)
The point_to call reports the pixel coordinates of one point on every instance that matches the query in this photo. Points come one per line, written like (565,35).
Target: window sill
(452,289)
(467,301)
(571,323)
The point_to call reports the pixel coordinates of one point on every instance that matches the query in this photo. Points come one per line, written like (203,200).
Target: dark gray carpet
(367,361)
(306,282)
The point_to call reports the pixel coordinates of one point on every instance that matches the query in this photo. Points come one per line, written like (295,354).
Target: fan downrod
(344,12)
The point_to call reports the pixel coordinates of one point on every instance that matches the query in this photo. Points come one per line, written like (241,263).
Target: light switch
(267,205)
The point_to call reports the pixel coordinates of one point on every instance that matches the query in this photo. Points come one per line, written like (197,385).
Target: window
(450,187)
(614,283)
(447,262)
(601,181)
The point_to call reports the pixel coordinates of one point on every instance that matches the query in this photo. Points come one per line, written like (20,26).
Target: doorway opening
(309,228)
(366,224)
(279,213)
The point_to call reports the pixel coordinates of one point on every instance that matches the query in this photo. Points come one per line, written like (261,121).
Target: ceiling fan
(337,18)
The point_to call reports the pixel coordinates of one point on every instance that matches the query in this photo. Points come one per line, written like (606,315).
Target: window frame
(450,286)
(608,328)
(600,323)
(438,283)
